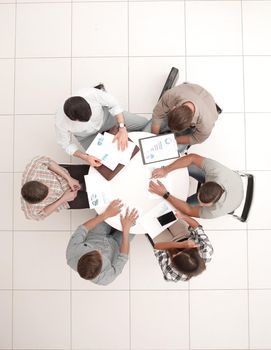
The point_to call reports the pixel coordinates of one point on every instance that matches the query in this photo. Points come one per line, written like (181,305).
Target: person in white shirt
(89,112)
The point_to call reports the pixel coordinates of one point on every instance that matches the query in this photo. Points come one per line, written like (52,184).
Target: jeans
(199,175)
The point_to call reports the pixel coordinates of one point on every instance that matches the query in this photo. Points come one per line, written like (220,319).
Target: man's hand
(74,184)
(69,196)
(159,172)
(113,209)
(128,220)
(158,188)
(93,161)
(122,138)
(190,244)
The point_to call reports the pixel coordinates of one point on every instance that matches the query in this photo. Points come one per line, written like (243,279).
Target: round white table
(131,186)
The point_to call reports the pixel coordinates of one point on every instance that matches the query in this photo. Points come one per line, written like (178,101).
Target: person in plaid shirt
(179,261)
(46,188)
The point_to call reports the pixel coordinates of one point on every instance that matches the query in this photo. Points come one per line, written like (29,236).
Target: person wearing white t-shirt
(89,112)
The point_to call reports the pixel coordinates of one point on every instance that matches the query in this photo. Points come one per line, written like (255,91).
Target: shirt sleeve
(205,247)
(110,274)
(161,108)
(199,136)
(63,138)
(78,237)
(107,100)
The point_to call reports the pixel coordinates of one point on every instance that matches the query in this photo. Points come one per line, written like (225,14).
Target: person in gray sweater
(96,250)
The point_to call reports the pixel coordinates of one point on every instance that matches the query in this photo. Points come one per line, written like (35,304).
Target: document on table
(158,148)
(149,220)
(123,156)
(98,190)
(101,149)
(104,149)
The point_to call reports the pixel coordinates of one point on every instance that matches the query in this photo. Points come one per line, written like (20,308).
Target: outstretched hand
(122,138)
(157,188)
(113,209)
(129,219)
(159,172)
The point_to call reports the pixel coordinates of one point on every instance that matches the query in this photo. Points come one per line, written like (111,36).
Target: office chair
(248,197)
(171,80)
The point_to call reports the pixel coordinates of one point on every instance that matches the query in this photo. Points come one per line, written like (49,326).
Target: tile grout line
(128,102)
(13,176)
(110,1)
(245,139)
(132,56)
(136,112)
(185,41)
(71,82)
(136,290)
(185,65)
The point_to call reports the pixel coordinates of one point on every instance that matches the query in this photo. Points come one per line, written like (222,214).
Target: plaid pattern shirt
(205,250)
(37,170)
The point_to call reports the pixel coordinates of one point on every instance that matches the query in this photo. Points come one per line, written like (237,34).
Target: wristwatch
(121,125)
(166,195)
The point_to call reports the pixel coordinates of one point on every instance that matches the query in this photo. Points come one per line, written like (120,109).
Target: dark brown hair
(210,192)
(34,192)
(77,108)
(180,118)
(89,265)
(188,261)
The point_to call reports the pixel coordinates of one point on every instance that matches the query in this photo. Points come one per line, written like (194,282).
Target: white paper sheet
(103,150)
(107,151)
(98,190)
(122,156)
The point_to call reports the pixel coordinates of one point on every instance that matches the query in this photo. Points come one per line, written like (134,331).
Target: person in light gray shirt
(221,191)
(96,250)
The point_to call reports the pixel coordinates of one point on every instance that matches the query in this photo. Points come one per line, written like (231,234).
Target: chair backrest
(248,198)
(171,80)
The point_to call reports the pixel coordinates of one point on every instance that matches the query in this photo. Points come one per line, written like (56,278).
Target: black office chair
(100,87)
(248,198)
(78,171)
(171,80)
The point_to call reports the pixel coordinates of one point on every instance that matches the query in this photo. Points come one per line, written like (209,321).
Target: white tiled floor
(48,50)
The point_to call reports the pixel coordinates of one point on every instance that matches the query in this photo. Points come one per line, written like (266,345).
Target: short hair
(210,192)
(189,262)
(34,192)
(77,108)
(89,265)
(180,118)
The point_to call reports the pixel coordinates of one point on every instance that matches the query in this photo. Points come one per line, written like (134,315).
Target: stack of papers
(107,151)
